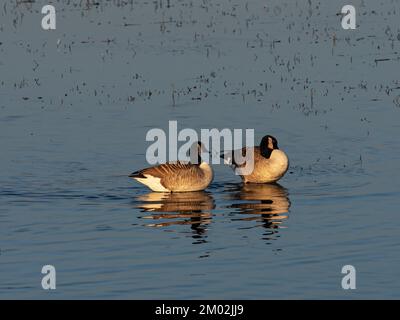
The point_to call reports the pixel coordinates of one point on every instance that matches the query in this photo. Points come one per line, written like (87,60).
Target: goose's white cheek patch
(227,160)
(154,183)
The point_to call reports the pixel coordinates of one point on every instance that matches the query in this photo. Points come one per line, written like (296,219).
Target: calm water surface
(76,104)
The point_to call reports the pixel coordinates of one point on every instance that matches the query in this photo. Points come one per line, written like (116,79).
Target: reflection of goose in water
(266,203)
(188,208)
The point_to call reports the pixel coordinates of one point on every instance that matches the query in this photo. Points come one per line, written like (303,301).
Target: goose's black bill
(137,174)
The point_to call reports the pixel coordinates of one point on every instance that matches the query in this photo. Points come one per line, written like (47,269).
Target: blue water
(76,104)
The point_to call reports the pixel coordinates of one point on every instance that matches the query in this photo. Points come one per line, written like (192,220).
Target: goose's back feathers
(265,169)
(175,176)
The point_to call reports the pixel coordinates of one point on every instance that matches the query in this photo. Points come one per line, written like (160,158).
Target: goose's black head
(267,145)
(195,152)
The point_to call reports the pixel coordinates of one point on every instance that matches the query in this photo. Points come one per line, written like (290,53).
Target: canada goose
(177,176)
(269,163)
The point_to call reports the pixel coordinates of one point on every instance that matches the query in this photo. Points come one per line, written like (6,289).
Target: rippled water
(75,107)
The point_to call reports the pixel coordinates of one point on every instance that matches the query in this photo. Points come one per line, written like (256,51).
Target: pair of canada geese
(270,164)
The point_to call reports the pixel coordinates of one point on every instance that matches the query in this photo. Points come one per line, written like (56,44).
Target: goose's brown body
(266,170)
(176,177)
(269,163)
